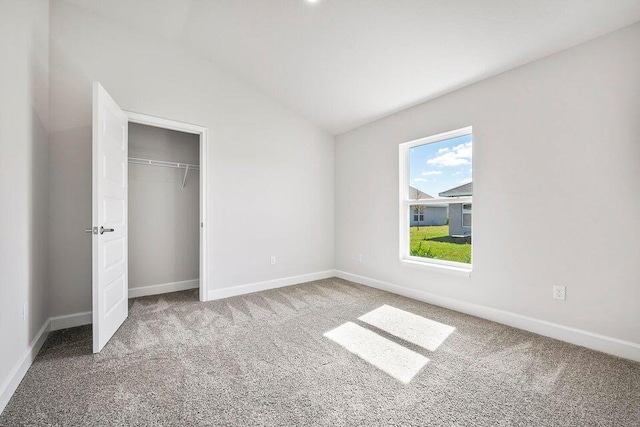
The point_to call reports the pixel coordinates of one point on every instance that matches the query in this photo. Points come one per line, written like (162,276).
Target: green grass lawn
(434,242)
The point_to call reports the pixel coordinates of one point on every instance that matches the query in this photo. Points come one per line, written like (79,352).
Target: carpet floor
(329,352)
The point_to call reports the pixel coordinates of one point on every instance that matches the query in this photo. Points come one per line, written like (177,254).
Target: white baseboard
(163,288)
(71,320)
(85,317)
(233,291)
(605,344)
(18,372)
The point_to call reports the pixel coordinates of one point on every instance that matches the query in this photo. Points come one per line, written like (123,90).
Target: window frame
(406,204)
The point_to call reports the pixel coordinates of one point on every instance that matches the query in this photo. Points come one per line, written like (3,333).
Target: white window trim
(405,204)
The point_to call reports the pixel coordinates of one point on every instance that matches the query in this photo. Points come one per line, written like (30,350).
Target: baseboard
(603,343)
(163,288)
(18,372)
(249,288)
(71,320)
(85,318)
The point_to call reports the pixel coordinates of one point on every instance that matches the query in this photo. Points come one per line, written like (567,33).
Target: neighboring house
(459,213)
(426,215)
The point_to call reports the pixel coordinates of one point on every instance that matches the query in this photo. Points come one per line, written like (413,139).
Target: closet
(163,210)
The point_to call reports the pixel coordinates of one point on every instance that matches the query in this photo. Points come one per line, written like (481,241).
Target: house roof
(416,194)
(461,190)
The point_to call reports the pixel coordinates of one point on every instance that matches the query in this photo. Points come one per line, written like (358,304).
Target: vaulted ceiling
(344,63)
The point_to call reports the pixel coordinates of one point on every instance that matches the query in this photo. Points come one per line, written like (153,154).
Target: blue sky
(437,167)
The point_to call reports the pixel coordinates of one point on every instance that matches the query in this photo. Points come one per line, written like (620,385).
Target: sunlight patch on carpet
(399,362)
(410,327)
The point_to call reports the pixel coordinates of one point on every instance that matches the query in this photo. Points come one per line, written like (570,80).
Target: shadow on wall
(38,187)
(69,185)
(38,227)
(70,214)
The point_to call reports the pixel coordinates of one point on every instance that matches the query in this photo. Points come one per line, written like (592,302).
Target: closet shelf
(150,162)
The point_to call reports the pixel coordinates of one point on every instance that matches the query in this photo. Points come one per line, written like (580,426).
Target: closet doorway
(163,210)
(166,209)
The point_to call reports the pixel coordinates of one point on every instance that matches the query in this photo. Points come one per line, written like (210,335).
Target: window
(466,215)
(418,215)
(436,193)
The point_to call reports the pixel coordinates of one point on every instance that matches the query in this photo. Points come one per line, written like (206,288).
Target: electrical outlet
(359,257)
(559,292)
(273,260)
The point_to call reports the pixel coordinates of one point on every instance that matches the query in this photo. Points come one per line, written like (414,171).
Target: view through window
(437,206)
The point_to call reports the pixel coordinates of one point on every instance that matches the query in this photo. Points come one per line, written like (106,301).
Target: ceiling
(344,63)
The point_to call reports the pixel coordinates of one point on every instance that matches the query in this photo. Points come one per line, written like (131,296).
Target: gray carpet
(262,359)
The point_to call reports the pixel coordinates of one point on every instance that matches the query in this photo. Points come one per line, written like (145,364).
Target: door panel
(109,175)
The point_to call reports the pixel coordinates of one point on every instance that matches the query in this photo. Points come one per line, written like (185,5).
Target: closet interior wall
(163,216)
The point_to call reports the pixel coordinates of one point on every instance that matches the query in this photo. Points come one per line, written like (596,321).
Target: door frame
(145,119)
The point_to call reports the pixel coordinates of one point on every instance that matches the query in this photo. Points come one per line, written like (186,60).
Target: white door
(109,217)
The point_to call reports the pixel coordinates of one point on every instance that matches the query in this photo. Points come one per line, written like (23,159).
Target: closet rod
(150,162)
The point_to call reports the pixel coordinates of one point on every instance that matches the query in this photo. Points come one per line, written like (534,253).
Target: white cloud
(428,173)
(419,180)
(457,156)
(443,150)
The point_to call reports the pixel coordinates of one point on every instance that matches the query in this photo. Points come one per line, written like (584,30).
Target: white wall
(262,156)
(164,218)
(555,142)
(24,117)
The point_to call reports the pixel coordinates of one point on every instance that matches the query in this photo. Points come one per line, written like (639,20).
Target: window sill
(442,268)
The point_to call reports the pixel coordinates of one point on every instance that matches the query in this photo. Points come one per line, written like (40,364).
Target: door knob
(106,230)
